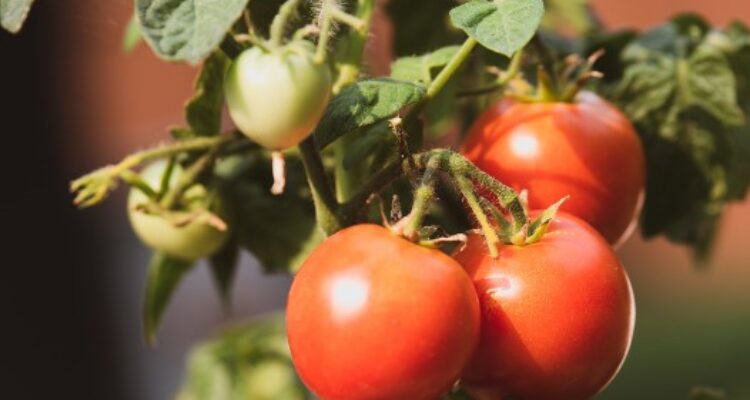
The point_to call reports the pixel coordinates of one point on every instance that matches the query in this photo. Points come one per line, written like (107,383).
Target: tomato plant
(277,96)
(186,233)
(586,149)
(373,316)
(659,118)
(557,315)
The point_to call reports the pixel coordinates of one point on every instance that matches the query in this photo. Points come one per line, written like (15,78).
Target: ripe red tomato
(557,315)
(587,149)
(372,316)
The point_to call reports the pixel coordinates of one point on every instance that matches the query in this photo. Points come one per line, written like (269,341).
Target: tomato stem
(278,26)
(450,69)
(423,195)
(466,188)
(188,178)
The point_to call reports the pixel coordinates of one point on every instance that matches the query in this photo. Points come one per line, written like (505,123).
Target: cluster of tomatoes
(372,315)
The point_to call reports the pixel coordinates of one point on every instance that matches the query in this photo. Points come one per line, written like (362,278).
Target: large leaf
(203,110)
(503,26)
(363,104)
(278,230)
(683,89)
(187,30)
(164,274)
(13,14)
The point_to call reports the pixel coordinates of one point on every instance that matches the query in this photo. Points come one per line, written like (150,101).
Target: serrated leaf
(419,69)
(187,30)
(712,86)
(13,14)
(363,104)
(203,110)
(503,26)
(223,266)
(132,35)
(164,274)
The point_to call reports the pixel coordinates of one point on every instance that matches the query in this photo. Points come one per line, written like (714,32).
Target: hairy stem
(278,26)
(466,188)
(423,195)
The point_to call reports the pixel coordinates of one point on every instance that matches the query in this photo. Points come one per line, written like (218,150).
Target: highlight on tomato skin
(557,315)
(587,150)
(373,316)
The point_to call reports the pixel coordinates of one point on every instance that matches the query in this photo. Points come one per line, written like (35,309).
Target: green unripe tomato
(196,239)
(277,97)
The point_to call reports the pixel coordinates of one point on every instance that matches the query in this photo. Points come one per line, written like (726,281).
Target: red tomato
(557,315)
(372,316)
(587,149)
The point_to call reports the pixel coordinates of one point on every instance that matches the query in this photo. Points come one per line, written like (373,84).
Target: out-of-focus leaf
(164,274)
(187,30)
(501,26)
(682,88)
(421,26)
(247,362)
(707,393)
(363,104)
(132,35)
(571,16)
(203,110)
(420,69)
(13,14)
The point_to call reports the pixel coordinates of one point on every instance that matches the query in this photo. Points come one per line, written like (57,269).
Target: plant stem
(513,70)
(326,207)
(280,21)
(188,179)
(450,69)
(466,188)
(423,195)
(199,143)
(325,31)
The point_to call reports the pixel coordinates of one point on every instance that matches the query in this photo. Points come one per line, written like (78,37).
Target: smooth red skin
(587,149)
(411,337)
(557,315)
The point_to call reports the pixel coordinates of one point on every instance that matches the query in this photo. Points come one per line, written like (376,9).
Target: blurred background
(72,100)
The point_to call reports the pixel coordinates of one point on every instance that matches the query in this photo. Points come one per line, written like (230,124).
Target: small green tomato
(277,97)
(196,239)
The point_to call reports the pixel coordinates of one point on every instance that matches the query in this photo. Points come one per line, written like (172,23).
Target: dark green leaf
(164,274)
(711,85)
(224,267)
(187,30)
(279,230)
(132,35)
(203,110)
(363,104)
(501,26)
(13,14)
(420,69)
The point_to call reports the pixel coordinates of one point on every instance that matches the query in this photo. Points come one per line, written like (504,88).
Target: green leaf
(133,35)
(164,274)
(203,110)
(503,26)
(711,85)
(420,26)
(279,231)
(419,69)
(223,266)
(13,14)
(707,393)
(248,362)
(363,104)
(187,30)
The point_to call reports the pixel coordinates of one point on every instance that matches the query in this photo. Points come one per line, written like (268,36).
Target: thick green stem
(466,188)
(326,207)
